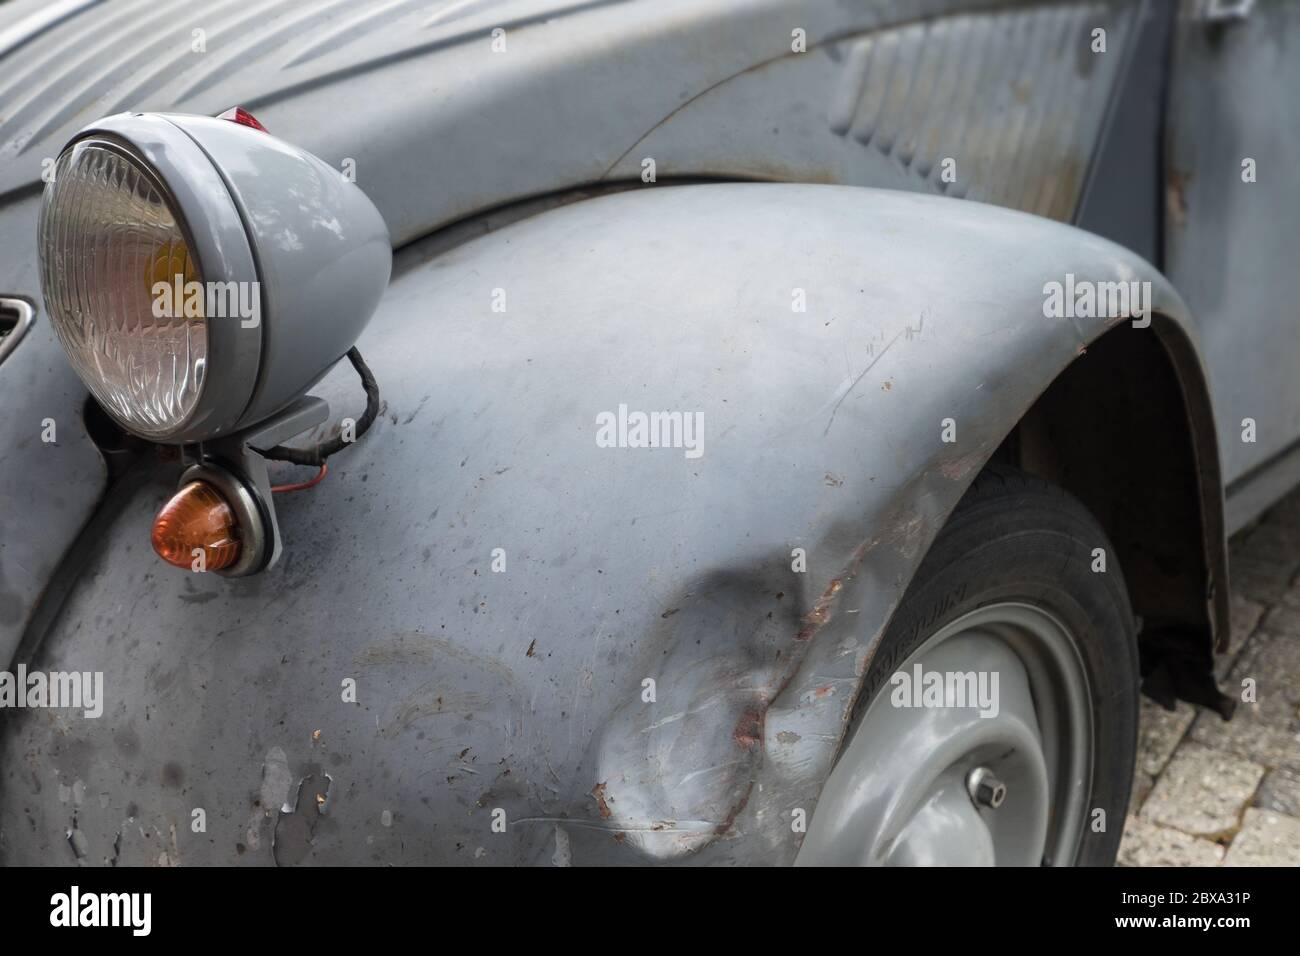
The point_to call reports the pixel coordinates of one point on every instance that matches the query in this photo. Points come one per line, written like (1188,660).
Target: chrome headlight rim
(210,222)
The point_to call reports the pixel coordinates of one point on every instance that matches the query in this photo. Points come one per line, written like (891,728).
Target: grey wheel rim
(952,783)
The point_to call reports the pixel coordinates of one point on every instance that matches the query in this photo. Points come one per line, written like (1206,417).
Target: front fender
(621,653)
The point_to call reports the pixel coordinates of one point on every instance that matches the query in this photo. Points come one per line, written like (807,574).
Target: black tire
(1015,537)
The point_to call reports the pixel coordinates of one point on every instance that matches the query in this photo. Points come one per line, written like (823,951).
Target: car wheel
(1023,752)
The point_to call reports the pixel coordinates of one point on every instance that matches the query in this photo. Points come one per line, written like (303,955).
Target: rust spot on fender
(815,619)
(749,729)
(602,805)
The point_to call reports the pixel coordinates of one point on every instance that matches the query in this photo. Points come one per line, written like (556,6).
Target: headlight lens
(108,236)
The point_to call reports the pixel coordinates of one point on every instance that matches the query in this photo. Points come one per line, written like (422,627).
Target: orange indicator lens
(197,530)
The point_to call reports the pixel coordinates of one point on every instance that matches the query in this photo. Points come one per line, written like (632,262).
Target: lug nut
(985,788)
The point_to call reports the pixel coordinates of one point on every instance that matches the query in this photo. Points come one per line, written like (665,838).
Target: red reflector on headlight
(237,114)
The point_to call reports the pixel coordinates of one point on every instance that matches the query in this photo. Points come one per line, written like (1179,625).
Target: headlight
(202,274)
(108,236)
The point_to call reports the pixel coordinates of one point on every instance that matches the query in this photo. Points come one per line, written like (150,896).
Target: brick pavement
(1211,793)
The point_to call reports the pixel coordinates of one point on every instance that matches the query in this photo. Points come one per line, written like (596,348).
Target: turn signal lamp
(213,523)
(197,529)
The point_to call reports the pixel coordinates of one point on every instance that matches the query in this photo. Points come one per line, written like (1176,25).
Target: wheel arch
(1128,428)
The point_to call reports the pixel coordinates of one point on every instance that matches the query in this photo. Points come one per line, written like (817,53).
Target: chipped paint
(276,779)
(563,855)
(602,805)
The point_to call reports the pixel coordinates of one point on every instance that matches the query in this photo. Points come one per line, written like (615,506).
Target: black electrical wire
(316,456)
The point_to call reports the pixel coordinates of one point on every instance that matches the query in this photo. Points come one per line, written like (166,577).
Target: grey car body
(516,176)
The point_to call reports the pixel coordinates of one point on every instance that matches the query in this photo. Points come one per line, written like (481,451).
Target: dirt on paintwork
(963,467)
(462,684)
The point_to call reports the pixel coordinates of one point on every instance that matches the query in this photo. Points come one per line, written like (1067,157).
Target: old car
(771,432)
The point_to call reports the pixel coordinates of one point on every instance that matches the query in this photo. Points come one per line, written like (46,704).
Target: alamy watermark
(625,429)
(210,300)
(1084,299)
(133,911)
(76,689)
(976,690)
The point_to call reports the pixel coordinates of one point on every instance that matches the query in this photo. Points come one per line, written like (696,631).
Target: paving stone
(1268,541)
(1159,731)
(1282,619)
(1249,736)
(1142,785)
(1284,514)
(1203,791)
(1245,617)
(1280,792)
(1276,667)
(1200,780)
(1150,844)
(1268,730)
(1260,580)
(1266,839)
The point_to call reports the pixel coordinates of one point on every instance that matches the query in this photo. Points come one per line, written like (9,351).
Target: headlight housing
(202,274)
